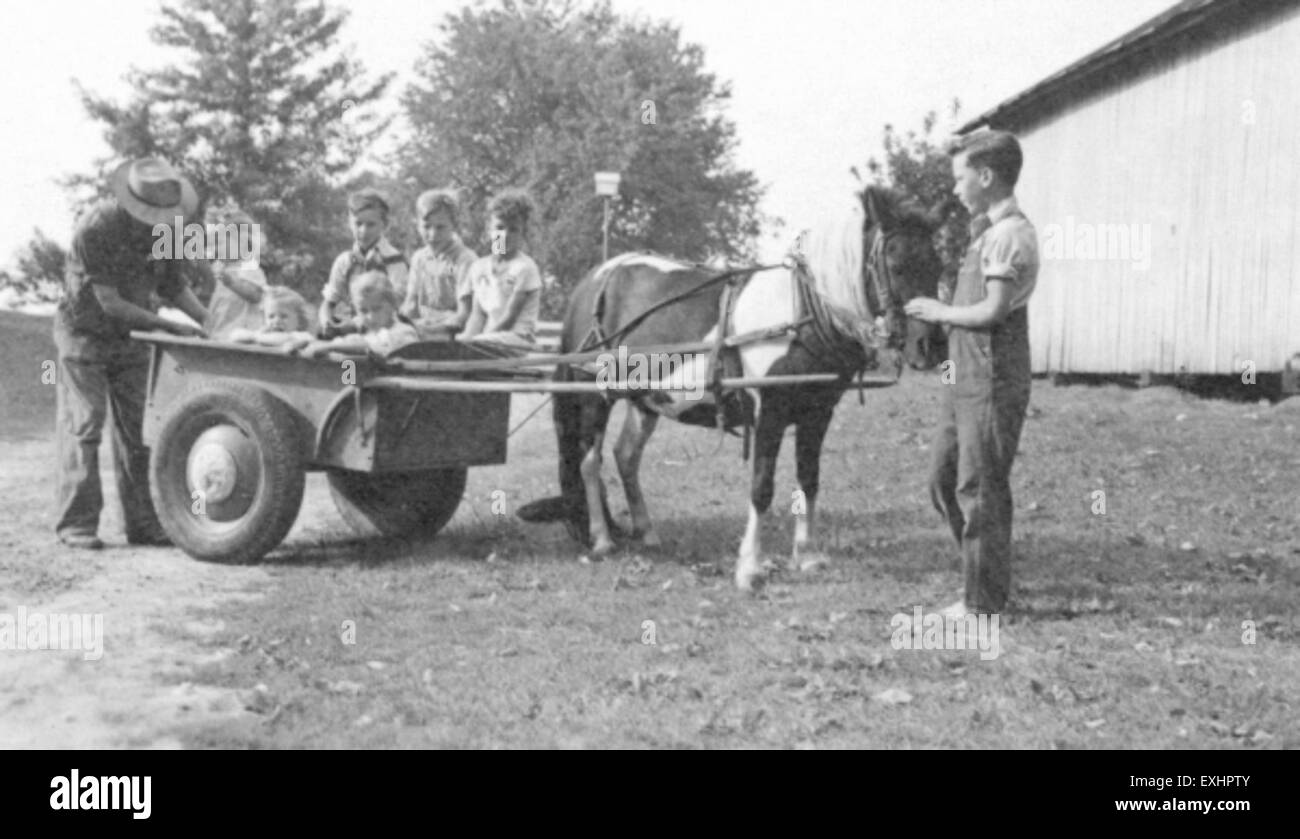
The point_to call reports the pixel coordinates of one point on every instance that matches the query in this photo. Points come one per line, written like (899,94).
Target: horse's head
(901,263)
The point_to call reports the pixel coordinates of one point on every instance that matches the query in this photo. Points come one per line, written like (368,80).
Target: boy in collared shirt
(983,409)
(371,251)
(439,297)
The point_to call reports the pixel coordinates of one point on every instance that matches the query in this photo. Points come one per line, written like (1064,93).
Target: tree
(38,270)
(541,95)
(918,164)
(261,109)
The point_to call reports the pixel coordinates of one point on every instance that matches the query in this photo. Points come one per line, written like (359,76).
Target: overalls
(979,428)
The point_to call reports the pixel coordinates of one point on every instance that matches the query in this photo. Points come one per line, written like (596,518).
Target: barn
(1162,173)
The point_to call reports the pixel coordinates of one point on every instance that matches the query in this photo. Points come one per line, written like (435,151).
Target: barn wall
(1204,151)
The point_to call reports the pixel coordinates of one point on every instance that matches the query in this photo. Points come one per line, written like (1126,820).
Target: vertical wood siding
(1176,149)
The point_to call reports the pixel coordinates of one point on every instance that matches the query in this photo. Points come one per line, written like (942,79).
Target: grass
(26,402)
(1125,628)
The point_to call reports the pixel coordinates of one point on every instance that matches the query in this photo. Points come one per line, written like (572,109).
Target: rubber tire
(274,508)
(416,504)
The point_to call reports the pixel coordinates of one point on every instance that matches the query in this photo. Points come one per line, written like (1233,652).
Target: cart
(234,428)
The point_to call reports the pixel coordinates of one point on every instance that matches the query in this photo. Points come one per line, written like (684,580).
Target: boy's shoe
(84,541)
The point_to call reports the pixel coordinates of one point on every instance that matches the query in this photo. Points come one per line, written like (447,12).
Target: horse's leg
(810,432)
(637,428)
(601,542)
(770,424)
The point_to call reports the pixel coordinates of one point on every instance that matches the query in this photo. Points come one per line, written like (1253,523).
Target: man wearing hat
(109,286)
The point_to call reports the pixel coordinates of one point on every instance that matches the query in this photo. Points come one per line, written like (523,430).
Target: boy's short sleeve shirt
(110,249)
(441,278)
(1009,251)
(382,256)
(495,283)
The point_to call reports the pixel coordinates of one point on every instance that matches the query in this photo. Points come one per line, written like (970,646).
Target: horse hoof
(750,580)
(649,539)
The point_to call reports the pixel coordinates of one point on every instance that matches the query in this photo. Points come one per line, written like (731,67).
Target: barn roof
(1179,29)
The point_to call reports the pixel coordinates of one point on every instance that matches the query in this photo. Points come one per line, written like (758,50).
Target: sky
(813,81)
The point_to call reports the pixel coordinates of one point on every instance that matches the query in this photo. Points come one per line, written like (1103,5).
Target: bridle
(880,289)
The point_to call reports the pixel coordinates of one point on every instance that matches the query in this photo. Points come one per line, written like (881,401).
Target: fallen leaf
(893,696)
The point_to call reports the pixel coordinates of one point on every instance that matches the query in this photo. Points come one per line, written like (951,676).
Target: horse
(863,270)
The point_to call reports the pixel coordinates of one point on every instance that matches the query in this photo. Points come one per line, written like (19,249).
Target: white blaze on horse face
(769,300)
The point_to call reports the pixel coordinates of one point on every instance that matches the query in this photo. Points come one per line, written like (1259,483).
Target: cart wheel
(226,475)
(397,503)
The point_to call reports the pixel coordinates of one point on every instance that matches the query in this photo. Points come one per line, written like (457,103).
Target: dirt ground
(1125,629)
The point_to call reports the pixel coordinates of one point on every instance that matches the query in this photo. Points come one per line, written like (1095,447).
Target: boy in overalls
(983,407)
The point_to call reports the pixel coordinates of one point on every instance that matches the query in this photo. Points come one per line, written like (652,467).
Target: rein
(602,340)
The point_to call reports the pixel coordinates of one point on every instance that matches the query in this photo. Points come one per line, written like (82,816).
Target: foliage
(542,95)
(260,108)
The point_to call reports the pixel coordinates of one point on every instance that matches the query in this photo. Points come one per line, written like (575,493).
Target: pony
(862,269)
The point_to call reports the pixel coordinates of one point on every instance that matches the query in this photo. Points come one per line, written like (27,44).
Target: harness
(835,337)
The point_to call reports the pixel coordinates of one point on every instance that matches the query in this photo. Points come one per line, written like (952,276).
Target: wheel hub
(222,471)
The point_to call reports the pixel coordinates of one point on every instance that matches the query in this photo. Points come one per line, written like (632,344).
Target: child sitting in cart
(286,317)
(506,285)
(240,280)
(379,331)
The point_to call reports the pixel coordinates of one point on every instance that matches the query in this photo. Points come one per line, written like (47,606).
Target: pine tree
(260,108)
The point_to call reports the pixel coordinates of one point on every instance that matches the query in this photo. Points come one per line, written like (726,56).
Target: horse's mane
(833,253)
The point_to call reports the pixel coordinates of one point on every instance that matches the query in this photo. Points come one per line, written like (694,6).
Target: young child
(368,219)
(988,335)
(507,286)
(438,295)
(240,280)
(286,319)
(378,330)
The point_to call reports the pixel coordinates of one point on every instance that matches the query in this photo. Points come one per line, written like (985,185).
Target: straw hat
(153,192)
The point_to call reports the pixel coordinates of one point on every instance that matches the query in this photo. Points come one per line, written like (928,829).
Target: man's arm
(989,312)
(119,309)
(190,305)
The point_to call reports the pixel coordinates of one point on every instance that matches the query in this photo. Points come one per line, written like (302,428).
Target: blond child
(240,281)
(286,319)
(371,251)
(378,330)
(507,285)
(438,295)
